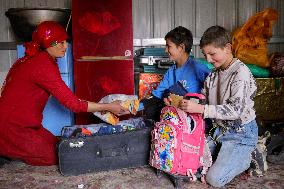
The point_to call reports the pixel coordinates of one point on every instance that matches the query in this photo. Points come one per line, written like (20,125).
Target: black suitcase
(105,152)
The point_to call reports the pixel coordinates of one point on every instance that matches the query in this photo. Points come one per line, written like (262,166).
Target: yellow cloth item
(131,105)
(175,100)
(129,102)
(109,118)
(250,41)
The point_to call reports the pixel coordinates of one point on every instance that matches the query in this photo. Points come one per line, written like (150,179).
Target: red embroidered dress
(28,86)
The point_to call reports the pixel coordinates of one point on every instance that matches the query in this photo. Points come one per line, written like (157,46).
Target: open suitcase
(78,155)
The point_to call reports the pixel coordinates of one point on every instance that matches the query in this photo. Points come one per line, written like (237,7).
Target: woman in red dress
(28,85)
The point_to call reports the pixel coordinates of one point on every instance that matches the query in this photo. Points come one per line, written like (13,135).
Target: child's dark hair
(181,35)
(216,36)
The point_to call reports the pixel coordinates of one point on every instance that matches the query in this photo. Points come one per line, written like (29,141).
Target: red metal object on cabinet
(102,32)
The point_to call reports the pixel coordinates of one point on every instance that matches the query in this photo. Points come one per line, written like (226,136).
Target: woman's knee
(45,157)
(42,161)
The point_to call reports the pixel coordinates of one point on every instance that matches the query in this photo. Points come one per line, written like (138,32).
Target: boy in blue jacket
(186,71)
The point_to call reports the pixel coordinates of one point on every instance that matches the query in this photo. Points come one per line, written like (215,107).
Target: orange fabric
(250,41)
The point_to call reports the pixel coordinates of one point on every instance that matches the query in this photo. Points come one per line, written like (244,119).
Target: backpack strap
(196,97)
(190,174)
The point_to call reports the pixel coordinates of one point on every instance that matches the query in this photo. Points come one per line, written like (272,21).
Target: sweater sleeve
(205,90)
(240,95)
(47,75)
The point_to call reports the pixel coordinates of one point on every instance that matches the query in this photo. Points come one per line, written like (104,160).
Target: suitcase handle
(76,144)
(116,151)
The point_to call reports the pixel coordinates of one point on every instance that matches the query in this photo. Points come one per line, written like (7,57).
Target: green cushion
(257,71)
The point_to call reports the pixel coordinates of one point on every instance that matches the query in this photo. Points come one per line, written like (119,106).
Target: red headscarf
(45,35)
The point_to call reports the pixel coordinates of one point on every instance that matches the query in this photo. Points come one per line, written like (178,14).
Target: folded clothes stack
(103,128)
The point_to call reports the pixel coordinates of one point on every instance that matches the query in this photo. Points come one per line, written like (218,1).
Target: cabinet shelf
(97,58)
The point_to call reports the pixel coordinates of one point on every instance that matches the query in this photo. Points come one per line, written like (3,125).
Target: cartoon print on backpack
(166,146)
(170,116)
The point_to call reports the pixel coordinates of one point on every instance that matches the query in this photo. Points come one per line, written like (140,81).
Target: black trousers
(153,107)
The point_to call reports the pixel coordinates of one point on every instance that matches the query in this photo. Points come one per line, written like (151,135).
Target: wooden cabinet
(103,50)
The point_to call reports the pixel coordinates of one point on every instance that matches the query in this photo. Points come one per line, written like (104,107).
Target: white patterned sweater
(230,94)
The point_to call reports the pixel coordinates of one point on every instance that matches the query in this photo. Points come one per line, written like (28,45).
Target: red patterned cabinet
(102,48)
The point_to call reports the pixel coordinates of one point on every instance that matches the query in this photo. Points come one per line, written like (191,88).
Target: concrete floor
(19,175)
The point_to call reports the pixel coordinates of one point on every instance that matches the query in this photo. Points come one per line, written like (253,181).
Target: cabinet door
(102,28)
(96,79)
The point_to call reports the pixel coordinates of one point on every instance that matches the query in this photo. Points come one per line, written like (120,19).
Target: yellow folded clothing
(109,118)
(129,102)
(131,105)
(175,100)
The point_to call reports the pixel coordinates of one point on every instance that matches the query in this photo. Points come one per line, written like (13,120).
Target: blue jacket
(192,76)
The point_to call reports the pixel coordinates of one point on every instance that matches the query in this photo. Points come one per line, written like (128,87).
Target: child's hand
(191,107)
(168,101)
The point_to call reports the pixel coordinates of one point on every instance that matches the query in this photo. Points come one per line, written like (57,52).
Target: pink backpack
(178,141)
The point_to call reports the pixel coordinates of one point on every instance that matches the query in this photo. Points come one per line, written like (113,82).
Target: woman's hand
(117,109)
(113,107)
(191,107)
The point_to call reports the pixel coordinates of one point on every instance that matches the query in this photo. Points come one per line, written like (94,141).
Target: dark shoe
(275,149)
(276,158)
(258,164)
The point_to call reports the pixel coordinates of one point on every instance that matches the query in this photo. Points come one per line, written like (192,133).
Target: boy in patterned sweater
(229,90)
